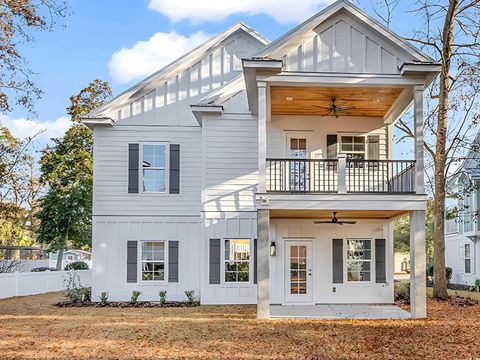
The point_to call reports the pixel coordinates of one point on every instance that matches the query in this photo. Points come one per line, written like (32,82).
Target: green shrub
(163,296)
(135,295)
(448,272)
(190,294)
(104,298)
(77,265)
(74,290)
(402,291)
(475,286)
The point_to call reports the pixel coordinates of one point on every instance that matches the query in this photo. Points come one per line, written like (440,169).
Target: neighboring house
(210,173)
(462,231)
(23,258)
(70,256)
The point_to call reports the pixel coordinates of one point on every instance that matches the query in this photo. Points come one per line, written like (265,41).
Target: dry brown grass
(31,327)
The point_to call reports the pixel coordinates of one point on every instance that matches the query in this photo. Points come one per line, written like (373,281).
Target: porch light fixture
(289,98)
(376,100)
(273,248)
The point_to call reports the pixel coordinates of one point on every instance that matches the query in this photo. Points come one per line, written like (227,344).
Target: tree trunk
(62,248)
(440,280)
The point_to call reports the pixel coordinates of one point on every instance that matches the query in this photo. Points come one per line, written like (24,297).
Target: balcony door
(298,151)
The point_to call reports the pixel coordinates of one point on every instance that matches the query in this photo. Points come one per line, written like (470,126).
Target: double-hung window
(467,252)
(153,260)
(154,168)
(237,260)
(359,260)
(353,146)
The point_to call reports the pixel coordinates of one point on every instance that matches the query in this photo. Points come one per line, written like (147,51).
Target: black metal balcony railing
(302,175)
(330,175)
(380,176)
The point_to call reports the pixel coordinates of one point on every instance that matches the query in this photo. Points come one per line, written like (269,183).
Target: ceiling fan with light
(337,109)
(335,221)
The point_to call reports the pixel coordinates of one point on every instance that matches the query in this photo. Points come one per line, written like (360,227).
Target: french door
(298,150)
(298,271)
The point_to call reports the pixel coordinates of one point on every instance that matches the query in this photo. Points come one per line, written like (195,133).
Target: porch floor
(338,311)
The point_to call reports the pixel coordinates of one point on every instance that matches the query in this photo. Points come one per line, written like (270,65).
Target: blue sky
(91,42)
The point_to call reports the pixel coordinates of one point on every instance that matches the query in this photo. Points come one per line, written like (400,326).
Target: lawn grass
(30,327)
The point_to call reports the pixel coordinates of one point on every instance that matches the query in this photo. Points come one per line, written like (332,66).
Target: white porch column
(263,258)
(418,132)
(262,136)
(418,288)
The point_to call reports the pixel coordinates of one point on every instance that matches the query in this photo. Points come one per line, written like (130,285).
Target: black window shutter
(173,261)
(380,261)
(214,261)
(373,147)
(132,261)
(174,169)
(331,146)
(337,261)
(254,261)
(133,168)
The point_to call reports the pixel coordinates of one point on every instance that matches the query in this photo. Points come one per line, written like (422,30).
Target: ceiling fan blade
(342,103)
(322,222)
(327,114)
(347,222)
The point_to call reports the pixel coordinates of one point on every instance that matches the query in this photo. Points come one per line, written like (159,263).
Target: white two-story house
(462,230)
(257,172)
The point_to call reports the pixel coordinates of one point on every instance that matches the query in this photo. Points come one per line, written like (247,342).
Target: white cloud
(146,57)
(283,11)
(23,128)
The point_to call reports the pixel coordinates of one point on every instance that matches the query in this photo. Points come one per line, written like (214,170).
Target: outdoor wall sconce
(273,248)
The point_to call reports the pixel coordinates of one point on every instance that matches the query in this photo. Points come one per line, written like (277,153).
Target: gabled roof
(287,40)
(175,67)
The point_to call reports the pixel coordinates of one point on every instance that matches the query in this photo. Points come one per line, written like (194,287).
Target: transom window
(359,259)
(154,168)
(237,260)
(153,260)
(353,146)
(468,258)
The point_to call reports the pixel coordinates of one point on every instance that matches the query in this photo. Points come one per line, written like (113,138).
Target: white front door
(298,274)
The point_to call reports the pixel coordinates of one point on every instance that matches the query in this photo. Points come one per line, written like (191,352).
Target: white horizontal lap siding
(174,95)
(110,248)
(232,225)
(321,236)
(111,195)
(231,163)
(342,44)
(318,128)
(454,258)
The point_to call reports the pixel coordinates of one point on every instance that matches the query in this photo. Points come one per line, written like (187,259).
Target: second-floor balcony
(340,175)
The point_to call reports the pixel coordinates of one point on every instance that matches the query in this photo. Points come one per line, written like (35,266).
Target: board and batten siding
(169,102)
(110,237)
(231,163)
(231,225)
(342,44)
(110,184)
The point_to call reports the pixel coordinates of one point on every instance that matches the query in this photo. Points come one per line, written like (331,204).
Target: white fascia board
(406,202)
(92,122)
(271,64)
(199,109)
(420,68)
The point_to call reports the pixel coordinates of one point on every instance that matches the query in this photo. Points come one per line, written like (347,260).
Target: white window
(153,260)
(237,260)
(359,260)
(353,146)
(467,251)
(154,168)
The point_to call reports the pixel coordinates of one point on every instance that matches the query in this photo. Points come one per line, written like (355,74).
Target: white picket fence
(31,283)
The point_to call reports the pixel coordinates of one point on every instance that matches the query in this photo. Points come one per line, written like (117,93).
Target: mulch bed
(140,304)
(451,286)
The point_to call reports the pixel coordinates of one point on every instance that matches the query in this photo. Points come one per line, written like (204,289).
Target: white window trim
(346,261)
(167,169)
(339,144)
(140,263)
(250,264)
(471,258)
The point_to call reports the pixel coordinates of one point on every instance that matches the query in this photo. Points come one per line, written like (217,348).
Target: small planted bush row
(475,286)
(402,291)
(75,298)
(448,272)
(77,265)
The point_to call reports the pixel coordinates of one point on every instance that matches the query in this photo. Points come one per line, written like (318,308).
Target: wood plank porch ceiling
(368,102)
(341,214)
